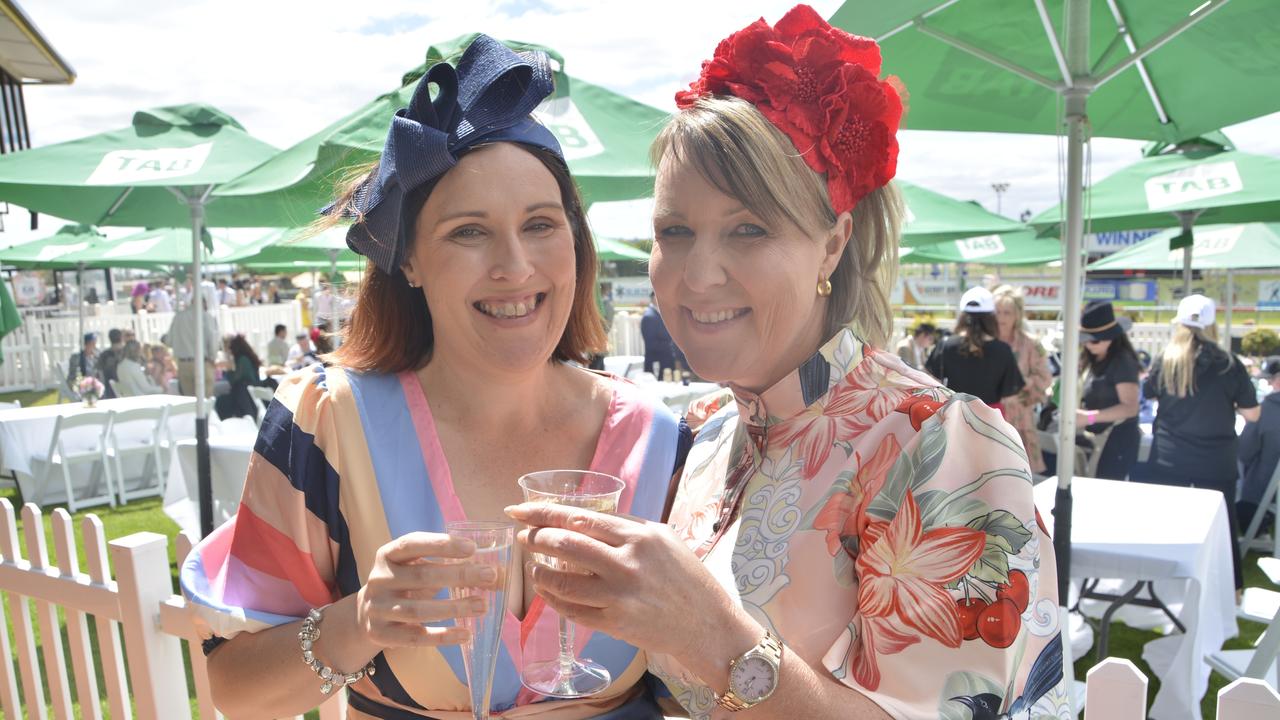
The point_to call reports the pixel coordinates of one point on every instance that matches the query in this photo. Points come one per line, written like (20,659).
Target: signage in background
(1109,242)
(629,290)
(28,289)
(1128,292)
(920,291)
(1198,182)
(1269,294)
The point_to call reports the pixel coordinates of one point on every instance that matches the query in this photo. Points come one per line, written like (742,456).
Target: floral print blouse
(885,531)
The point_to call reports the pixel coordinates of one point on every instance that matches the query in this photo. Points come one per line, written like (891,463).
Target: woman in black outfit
(1109,389)
(1200,388)
(972,360)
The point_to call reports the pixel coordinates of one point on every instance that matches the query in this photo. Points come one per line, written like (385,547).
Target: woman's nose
(703,266)
(511,259)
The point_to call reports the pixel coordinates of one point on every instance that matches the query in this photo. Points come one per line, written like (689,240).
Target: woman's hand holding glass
(399,597)
(640,585)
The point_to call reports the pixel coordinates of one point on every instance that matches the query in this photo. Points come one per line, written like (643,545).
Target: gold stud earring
(824,288)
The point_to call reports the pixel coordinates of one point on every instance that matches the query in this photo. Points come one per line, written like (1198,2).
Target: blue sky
(286,68)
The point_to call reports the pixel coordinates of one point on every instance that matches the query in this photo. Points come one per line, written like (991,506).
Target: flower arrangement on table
(90,389)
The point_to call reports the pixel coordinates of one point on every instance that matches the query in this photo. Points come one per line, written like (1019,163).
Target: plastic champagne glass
(480,654)
(568,676)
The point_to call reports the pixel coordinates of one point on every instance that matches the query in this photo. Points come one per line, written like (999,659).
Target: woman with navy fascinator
(462,357)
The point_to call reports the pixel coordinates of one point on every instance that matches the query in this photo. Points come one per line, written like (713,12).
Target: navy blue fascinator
(487,98)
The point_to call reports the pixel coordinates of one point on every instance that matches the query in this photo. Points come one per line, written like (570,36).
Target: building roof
(25,53)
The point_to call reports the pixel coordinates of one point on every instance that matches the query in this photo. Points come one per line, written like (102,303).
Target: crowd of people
(127,367)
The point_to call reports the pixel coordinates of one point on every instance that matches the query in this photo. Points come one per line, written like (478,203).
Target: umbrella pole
(80,300)
(1231,300)
(202,411)
(1076,118)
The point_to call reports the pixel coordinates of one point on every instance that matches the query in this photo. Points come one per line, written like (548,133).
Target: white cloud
(287,68)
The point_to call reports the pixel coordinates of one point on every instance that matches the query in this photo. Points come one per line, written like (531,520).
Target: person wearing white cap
(973,360)
(1200,388)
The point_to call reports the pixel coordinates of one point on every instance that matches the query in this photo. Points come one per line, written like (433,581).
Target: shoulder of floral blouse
(702,409)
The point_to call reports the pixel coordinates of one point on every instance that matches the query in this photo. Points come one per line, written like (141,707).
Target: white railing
(31,350)
(136,614)
(136,611)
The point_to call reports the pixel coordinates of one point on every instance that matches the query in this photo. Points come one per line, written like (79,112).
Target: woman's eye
(466,232)
(540,227)
(750,230)
(673,231)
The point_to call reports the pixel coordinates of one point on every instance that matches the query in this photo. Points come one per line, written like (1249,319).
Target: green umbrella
(610,249)
(303,249)
(161,247)
(933,217)
(1018,248)
(1203,180)
(1153,69)
(10,318)
(48,253)
(1217,247)
(605,137)
(158,172)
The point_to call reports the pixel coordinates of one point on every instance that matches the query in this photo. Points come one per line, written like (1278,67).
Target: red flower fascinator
(820,85)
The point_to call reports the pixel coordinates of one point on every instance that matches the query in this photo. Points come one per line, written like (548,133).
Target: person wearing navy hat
(459,372)
(1200,389)
(1109,393)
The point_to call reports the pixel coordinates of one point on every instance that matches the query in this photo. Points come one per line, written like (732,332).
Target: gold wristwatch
(753,676)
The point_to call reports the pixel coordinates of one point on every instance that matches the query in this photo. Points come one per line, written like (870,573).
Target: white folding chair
(137,433)
(261,398)
(65,391)
(1257,663)
(68,447)
(1270,501)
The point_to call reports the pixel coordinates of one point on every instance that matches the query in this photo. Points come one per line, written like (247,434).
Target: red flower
(905,571)
(919,409)
(818,85)
(845,514)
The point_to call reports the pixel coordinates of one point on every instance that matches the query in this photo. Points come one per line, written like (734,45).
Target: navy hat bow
(487,98)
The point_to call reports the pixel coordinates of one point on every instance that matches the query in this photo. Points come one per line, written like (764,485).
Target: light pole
(999,187)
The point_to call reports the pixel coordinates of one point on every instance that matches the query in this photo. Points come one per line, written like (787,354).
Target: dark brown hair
(390,328)
(976,329)
(1120,345)
(239,347)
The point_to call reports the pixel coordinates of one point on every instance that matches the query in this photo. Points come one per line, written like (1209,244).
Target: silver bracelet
(307,638)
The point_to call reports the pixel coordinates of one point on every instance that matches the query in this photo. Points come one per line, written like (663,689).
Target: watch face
(753,679)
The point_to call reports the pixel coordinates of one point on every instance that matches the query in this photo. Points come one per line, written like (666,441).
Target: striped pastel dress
(344,463)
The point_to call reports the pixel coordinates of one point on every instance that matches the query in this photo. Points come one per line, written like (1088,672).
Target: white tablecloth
(1175,536)
(25,432)
(228,462)
(677,396)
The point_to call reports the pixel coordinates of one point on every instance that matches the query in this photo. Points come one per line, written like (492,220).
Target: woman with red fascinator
(848,539)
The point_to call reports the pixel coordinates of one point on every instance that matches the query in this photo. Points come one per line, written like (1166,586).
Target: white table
(1175,536)
(677,396)
(228,463)
(25,432)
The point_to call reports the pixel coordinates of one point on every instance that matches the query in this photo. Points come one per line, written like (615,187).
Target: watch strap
(770,648)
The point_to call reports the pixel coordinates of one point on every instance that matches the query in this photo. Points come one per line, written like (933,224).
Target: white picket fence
(136,613)
(31,350)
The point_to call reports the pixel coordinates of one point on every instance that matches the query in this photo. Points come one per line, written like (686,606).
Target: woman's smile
(511,310)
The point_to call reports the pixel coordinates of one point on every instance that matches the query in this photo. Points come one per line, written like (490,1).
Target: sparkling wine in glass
(480,655)
(567,676)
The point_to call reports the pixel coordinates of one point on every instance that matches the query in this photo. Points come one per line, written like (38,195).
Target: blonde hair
(744,156)
(1178,365)
(1009,293)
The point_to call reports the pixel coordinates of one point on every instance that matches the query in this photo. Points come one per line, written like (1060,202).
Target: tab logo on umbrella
(120,167)
(1212,242)
(1201,181)
(577,139)
(53,252)
(980,247)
